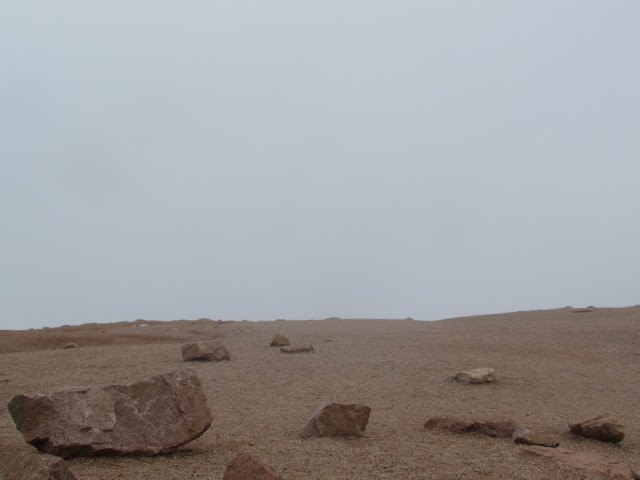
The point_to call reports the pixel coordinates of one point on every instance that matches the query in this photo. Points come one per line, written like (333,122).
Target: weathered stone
(491,428)
(205,351)
(588,309)
(337,420)
(303,349)
(69,345)
(449,424)
(495,428)
(145,418)
(477,375)
(249,467)
(33,466)
(524,436)
(586,461)
(605,427)
(279,340)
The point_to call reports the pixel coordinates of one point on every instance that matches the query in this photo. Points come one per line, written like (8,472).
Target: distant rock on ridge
(588,309)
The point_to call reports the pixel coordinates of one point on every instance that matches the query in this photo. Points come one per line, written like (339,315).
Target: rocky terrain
(552,370)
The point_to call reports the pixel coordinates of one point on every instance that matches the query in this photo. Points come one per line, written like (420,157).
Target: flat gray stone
(476,375)
(302,349)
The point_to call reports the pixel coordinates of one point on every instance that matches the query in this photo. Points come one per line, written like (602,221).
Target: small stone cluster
(605,428)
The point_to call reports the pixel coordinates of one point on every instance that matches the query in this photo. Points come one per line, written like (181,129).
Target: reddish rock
(33,466)
(586,461)
(303,349)
(337,419)
(491,428)
(606,428)
(450,424)
(205,351)
(495,428)
(524,436)
(144,418)
(249,467)
(279,340)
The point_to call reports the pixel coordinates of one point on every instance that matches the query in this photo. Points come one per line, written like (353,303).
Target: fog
(286,159)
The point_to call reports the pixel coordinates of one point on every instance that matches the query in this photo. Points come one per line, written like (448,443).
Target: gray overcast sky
(297,159)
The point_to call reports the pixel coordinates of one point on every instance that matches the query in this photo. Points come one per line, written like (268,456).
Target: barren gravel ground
(553,367)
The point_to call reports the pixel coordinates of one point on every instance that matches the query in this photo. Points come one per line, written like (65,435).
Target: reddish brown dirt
(553,367)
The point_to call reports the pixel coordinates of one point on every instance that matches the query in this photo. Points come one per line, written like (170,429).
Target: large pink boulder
(33,466)
(337,419)
(145,418)
(248,467)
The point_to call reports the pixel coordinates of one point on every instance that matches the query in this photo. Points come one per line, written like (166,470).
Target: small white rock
(477,375)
